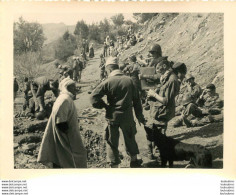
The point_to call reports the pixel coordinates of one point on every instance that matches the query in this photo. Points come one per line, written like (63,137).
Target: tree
(65,47)
(118,20)
(104,27)
(81,30)
(94,33)
(27,36)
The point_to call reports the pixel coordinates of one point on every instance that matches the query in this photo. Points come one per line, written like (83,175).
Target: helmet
(189,76)
(155,48)
(133,58)
(40,115)
(187,99)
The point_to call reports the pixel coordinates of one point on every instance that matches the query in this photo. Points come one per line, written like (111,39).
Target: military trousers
(112,135)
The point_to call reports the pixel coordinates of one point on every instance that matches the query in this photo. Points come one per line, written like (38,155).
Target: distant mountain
(53,31)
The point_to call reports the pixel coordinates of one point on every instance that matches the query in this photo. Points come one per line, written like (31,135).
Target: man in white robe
(62,144)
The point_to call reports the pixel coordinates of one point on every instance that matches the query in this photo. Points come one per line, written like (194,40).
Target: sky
(68,19)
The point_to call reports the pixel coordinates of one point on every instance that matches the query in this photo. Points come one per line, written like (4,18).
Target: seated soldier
(207,105)
(192,88)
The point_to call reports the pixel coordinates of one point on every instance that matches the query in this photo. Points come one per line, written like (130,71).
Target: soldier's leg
(112,138)
(41,103)
(192,109)
(129,132)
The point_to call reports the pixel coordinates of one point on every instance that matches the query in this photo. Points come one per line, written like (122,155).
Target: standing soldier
(162,103)
(26,92)
(180,69)
(16,87)
(76,69)
(102,68)
(122,96)
(105,49)
(133,70)
(91,51)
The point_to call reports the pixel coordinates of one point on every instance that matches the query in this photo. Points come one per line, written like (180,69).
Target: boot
(150,150)
(136,164)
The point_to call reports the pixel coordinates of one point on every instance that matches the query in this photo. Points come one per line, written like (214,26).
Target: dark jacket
(169,89)
(122,96)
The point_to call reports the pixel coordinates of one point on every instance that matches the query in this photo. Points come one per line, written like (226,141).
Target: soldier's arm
(142,62)
(97,95)
(137,105)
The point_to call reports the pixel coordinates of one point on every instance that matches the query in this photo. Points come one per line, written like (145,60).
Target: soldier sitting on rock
(203,111)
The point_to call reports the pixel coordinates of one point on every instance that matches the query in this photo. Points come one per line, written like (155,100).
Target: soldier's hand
(151,93)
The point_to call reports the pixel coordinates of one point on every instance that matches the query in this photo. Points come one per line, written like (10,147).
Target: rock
(16,145)
(29,146)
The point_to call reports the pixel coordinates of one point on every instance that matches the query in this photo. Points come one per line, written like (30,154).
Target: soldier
(192,88)
(16,87)
(133,70)
(26,90)
(162,103)
(91,51)
(104,49)
(155,53)
(207,105)
(39,86)
(102,68)
(122,96)
(77,68)
(180,70)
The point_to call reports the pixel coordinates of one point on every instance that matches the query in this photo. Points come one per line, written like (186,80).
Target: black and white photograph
(118,90)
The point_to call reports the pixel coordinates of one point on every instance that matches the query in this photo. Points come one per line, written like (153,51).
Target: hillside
(195,39)
(53,31)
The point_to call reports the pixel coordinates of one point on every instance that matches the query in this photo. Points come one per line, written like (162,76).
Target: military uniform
(161,113)
(133,71)
(207,105)
(121,97)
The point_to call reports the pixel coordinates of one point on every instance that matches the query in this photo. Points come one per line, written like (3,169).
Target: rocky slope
(195,39)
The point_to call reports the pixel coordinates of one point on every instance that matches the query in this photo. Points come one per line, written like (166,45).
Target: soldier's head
(163,65)
(211,89)
(155,51)
(54,86)
(132,58)
(111,64)
(190,79)
(180,70)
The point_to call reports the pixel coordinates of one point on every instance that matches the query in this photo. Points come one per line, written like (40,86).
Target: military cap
(111,60)
(211,86)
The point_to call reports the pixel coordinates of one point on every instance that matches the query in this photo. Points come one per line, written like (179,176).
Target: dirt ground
(28,133)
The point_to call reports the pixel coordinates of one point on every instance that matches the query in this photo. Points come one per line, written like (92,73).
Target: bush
(28,65)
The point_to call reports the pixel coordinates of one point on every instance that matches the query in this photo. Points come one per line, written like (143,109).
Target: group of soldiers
(174,92)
